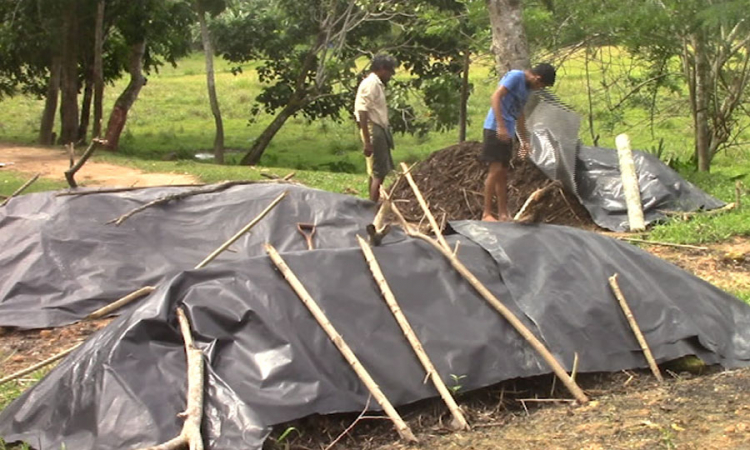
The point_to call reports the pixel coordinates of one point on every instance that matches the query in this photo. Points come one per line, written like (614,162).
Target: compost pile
(452,182)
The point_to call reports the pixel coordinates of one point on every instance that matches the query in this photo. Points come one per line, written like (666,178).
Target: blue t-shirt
(512,103)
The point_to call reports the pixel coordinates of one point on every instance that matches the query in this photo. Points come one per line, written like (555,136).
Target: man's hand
(502,135)
(368,149)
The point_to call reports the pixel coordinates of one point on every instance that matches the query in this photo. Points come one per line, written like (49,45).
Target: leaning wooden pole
(459,421)
(70,173)
(425,208)
(21,189)
(502,309)
(190,436)
(401,427)
(634,326)
(38,366)
(135,295)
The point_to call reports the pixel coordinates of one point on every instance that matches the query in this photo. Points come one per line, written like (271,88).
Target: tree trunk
(123,104)
(88,93)
(509,42)
(253,155)
(50,104)
(69,78)
(702,94)
(464,97)
(98,69)
(213,99)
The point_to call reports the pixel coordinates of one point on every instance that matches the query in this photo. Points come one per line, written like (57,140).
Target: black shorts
(495,150)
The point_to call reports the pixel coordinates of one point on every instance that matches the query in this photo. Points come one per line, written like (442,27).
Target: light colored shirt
(371,98)
(513,102)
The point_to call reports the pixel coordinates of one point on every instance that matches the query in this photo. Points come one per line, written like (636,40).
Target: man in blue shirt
(508,102)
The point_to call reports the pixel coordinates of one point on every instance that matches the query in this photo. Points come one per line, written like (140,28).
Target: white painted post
(630,185)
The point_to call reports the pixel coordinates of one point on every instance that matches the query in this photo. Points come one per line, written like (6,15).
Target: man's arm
(364,126)
(497,108)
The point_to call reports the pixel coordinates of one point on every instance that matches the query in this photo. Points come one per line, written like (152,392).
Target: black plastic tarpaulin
(61,260)
(269,362)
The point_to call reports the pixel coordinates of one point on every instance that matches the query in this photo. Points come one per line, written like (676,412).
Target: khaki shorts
(380,163)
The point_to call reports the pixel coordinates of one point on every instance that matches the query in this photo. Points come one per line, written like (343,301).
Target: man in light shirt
(371,113)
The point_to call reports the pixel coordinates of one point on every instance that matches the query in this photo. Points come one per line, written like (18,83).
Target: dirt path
(53,162)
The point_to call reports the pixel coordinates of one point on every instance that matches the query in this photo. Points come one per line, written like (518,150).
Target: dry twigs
(193,414)
(38,366)
(535,196)
(634,326)
(178,196)
(21,189)
(70,173)
(689,215)
(121,189)
(665,244)
(401,427)
(459,421)
(135,295)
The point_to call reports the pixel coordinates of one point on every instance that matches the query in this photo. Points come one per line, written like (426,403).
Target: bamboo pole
(634,326)
(190,435)
(135,295)
(665,244)
(630,185)
(38,366)
(504,311)
(459,422)
(401,427)
(114,306)
(425,208)
(21,189)
(244,230)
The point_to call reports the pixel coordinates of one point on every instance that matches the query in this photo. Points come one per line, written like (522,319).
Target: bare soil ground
(53,162)
(629,410)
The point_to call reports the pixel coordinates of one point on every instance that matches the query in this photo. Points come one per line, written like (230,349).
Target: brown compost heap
(452,183)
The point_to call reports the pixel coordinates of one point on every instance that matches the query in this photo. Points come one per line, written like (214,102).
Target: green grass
(11,181)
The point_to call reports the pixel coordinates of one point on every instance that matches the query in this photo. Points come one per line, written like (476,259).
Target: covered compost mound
(268,362)
(452,182)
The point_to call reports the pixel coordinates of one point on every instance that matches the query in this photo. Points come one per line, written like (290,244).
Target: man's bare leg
(490,190)
(375,188)
(501,190)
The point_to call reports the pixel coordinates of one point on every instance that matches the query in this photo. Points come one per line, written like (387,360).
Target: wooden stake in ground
(38,366)
(21,189)
(459,422)
(425,208)
(634,326)
(401,427)
(135,295)
(191,430)
(502,309)
(630,186)
(70,173)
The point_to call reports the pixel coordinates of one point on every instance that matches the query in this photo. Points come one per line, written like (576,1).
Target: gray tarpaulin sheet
(61,260)
(593,174)
(269,362)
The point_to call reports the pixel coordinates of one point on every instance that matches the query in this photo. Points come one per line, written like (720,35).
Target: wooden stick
(687,215)
(191,429)
(117,304)
(634,326)
(122,189)
(401,427)
(459,422)
(177,196)
(630,187)
(21,189)
(38,366)
(244,230)
(149,289)
(70,173)
(506,313)
(666,244)
(574,371)
(425,208)
(535,196)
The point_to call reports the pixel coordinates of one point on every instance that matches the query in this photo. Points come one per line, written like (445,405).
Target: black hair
(547,73)
(383,61)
